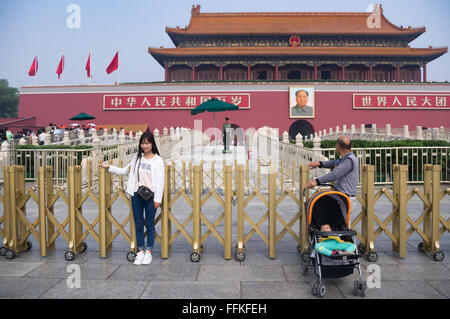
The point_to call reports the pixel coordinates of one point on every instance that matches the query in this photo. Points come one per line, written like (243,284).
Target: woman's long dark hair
(147,135)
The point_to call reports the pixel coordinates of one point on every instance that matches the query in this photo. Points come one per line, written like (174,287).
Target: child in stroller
(333,245)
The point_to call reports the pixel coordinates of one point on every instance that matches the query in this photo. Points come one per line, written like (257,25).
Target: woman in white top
(147,169)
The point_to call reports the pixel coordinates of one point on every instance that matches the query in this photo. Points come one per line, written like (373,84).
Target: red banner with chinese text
(170,101)
(382,101)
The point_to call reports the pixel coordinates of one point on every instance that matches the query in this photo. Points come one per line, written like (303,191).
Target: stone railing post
(47,139)
(35,140)
(66,139)
(285,137)
(362,131)
(387,133)
(299,140)
(419,133)
(405,134)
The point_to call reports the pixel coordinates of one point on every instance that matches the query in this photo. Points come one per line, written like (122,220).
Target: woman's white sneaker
(147,258)
(139,258)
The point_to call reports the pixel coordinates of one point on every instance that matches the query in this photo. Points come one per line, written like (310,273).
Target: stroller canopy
(328,207)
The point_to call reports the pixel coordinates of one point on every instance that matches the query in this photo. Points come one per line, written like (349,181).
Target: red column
(315,71)
(221,72)
(370,72)
(424,73)
(249,75)
(166,72)
(343,72)
(193,72)
(397,74)
(277,75)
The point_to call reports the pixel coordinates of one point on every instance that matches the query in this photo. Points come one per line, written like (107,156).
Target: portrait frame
(293,101)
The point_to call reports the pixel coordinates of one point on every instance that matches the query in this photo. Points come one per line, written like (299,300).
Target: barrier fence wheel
(131,256)
(239,256)
(83,247)
(2,251)
(69,255)
(10,254)
(305,256)
(361,248)
(438,256)
(372,256)
(195,257)
(420,247)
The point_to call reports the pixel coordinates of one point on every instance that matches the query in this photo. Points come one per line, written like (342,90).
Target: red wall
(267,108)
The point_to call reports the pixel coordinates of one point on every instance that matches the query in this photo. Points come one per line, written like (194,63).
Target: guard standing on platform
(226,133)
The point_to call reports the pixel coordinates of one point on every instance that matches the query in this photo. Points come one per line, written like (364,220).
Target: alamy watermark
(374,20)
(74,279)
(73,21)
(374,278)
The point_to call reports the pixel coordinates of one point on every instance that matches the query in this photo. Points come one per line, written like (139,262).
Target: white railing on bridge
(386,133)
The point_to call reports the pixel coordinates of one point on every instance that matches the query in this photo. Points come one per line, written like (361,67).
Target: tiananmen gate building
(296,71)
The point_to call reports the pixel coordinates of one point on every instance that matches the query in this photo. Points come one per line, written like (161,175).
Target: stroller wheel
(363,289)
(322,289)
(315,288)
(359,287)
(355,287)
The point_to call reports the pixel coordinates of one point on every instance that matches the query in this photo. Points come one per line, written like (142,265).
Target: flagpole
(90,67)
(62,69)
(35,72)
(118,69)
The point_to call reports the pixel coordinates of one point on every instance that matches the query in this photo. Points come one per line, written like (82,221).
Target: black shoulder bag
(144,192)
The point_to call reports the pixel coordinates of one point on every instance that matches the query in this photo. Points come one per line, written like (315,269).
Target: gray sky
(40,27)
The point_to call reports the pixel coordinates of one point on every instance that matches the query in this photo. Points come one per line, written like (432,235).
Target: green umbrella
(82,117)
(214,105)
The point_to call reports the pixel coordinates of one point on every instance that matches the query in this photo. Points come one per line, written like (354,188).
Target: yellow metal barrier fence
(105,227)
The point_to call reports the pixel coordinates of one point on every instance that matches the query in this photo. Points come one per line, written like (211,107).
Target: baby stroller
(330,207)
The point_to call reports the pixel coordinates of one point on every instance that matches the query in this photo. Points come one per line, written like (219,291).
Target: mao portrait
(301,102)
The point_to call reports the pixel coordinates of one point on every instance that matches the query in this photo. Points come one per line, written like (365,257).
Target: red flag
(60,68)
(88,66)
(34,67)
(114,65)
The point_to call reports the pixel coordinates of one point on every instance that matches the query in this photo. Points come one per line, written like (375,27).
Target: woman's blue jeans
(138,206)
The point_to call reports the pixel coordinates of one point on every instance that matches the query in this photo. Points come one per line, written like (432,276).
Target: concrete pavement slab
(97,289)
(192,290)
(24,288)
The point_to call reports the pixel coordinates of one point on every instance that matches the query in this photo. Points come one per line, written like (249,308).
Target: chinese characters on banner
(401,101)
(170,101)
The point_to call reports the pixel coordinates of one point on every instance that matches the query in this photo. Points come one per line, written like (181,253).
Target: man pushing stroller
(346,169)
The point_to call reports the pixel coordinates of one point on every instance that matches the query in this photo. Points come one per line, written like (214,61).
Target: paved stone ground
(30,276)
